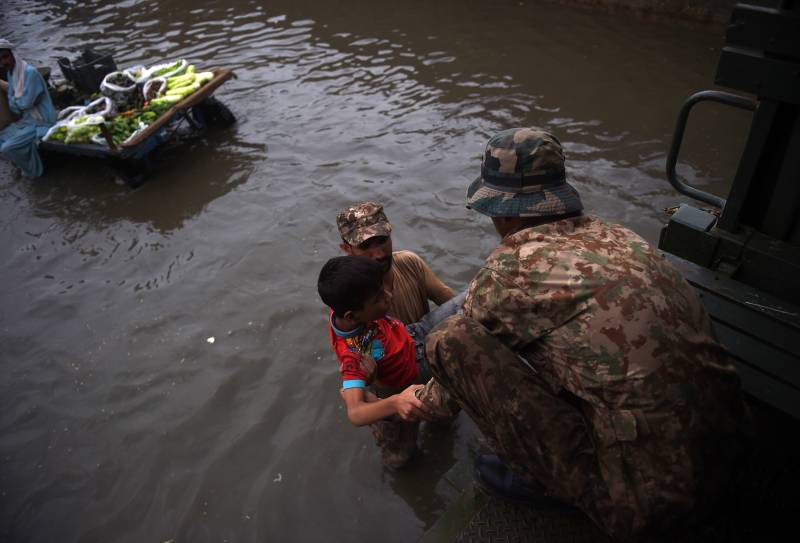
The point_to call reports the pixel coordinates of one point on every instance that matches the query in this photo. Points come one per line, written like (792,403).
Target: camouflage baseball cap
(362,221)
(522,175)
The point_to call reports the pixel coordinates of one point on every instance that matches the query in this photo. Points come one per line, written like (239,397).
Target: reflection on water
(120,421)
(163,206)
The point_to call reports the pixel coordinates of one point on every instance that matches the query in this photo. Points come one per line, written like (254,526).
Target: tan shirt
(413,285)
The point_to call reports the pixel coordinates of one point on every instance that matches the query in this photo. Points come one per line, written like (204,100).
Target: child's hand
(436,398)
(368,366)
(409,407)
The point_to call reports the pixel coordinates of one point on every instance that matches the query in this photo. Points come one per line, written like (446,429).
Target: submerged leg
(18,144)
(397,440)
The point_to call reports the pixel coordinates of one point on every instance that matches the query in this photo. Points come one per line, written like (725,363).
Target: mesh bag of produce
(71,112)
(154,88)
(103,106)
(57,132)
(140,74)
(82,129)
(118,86)
(168,69)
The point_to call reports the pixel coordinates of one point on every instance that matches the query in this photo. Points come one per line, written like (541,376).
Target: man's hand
(4,85)
(409,407)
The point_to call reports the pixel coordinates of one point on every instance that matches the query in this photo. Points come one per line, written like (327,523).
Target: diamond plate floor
(498,522)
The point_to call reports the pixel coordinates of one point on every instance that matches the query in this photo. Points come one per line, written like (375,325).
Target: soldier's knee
(454,326)
(444,337)
(451,343)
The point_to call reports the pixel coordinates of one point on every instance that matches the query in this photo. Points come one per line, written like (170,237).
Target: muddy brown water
(120,421)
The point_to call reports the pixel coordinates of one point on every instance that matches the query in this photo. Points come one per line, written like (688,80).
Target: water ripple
(116,291)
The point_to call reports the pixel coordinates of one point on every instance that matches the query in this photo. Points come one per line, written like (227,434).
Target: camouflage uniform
(396,438)
(590,365)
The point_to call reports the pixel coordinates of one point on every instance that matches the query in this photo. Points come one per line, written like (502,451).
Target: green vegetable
(58,134)
(167,69)
(80,134)
(180,81)
(165,101)
(204,77)
(183,91)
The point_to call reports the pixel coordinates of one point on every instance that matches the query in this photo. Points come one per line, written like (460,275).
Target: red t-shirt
(390,345)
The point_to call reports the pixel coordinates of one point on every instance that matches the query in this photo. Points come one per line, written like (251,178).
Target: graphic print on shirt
(381,351)
(366,342)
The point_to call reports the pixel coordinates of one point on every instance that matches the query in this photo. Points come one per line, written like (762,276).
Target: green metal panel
(761,331)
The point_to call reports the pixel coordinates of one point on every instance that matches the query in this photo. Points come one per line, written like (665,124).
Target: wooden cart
(199,110)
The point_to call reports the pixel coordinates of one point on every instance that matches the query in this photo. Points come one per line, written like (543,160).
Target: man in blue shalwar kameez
(27,97)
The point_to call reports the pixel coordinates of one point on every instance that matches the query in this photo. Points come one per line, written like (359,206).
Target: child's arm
(362,411)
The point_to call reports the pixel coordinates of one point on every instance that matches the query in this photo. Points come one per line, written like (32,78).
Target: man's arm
(362,410)
(34,87)
(436,290)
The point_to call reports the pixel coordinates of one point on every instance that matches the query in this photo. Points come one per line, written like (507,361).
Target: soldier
(366,231)
(585,359)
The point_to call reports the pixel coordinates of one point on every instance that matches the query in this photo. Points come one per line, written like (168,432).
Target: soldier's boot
(498,480)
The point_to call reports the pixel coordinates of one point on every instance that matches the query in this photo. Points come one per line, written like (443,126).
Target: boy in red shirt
(371,345)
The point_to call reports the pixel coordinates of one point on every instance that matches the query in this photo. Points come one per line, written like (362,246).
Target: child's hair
(346,282)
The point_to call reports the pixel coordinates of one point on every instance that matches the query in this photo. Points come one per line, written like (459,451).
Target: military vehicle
(743,253)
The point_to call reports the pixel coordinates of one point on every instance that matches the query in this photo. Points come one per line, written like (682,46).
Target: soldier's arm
(507,311)
(362,411)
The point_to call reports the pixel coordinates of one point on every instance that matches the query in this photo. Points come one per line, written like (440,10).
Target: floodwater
(120,420)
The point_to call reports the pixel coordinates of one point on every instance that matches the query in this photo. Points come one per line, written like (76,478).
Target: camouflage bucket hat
(362,221)
(522,175)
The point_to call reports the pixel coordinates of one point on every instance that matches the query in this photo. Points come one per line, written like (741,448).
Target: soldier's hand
(409,407)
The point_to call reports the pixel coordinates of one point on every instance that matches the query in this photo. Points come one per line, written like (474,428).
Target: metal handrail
(677,138)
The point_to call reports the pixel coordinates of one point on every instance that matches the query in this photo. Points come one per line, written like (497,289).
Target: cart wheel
(212,112)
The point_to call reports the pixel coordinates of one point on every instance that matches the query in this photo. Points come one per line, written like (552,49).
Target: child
(372,345)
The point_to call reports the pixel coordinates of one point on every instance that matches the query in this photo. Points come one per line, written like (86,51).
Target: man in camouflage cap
(365,231)
(585,359)
(360,222)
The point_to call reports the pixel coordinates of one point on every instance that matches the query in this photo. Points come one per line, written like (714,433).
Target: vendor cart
(198,111)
